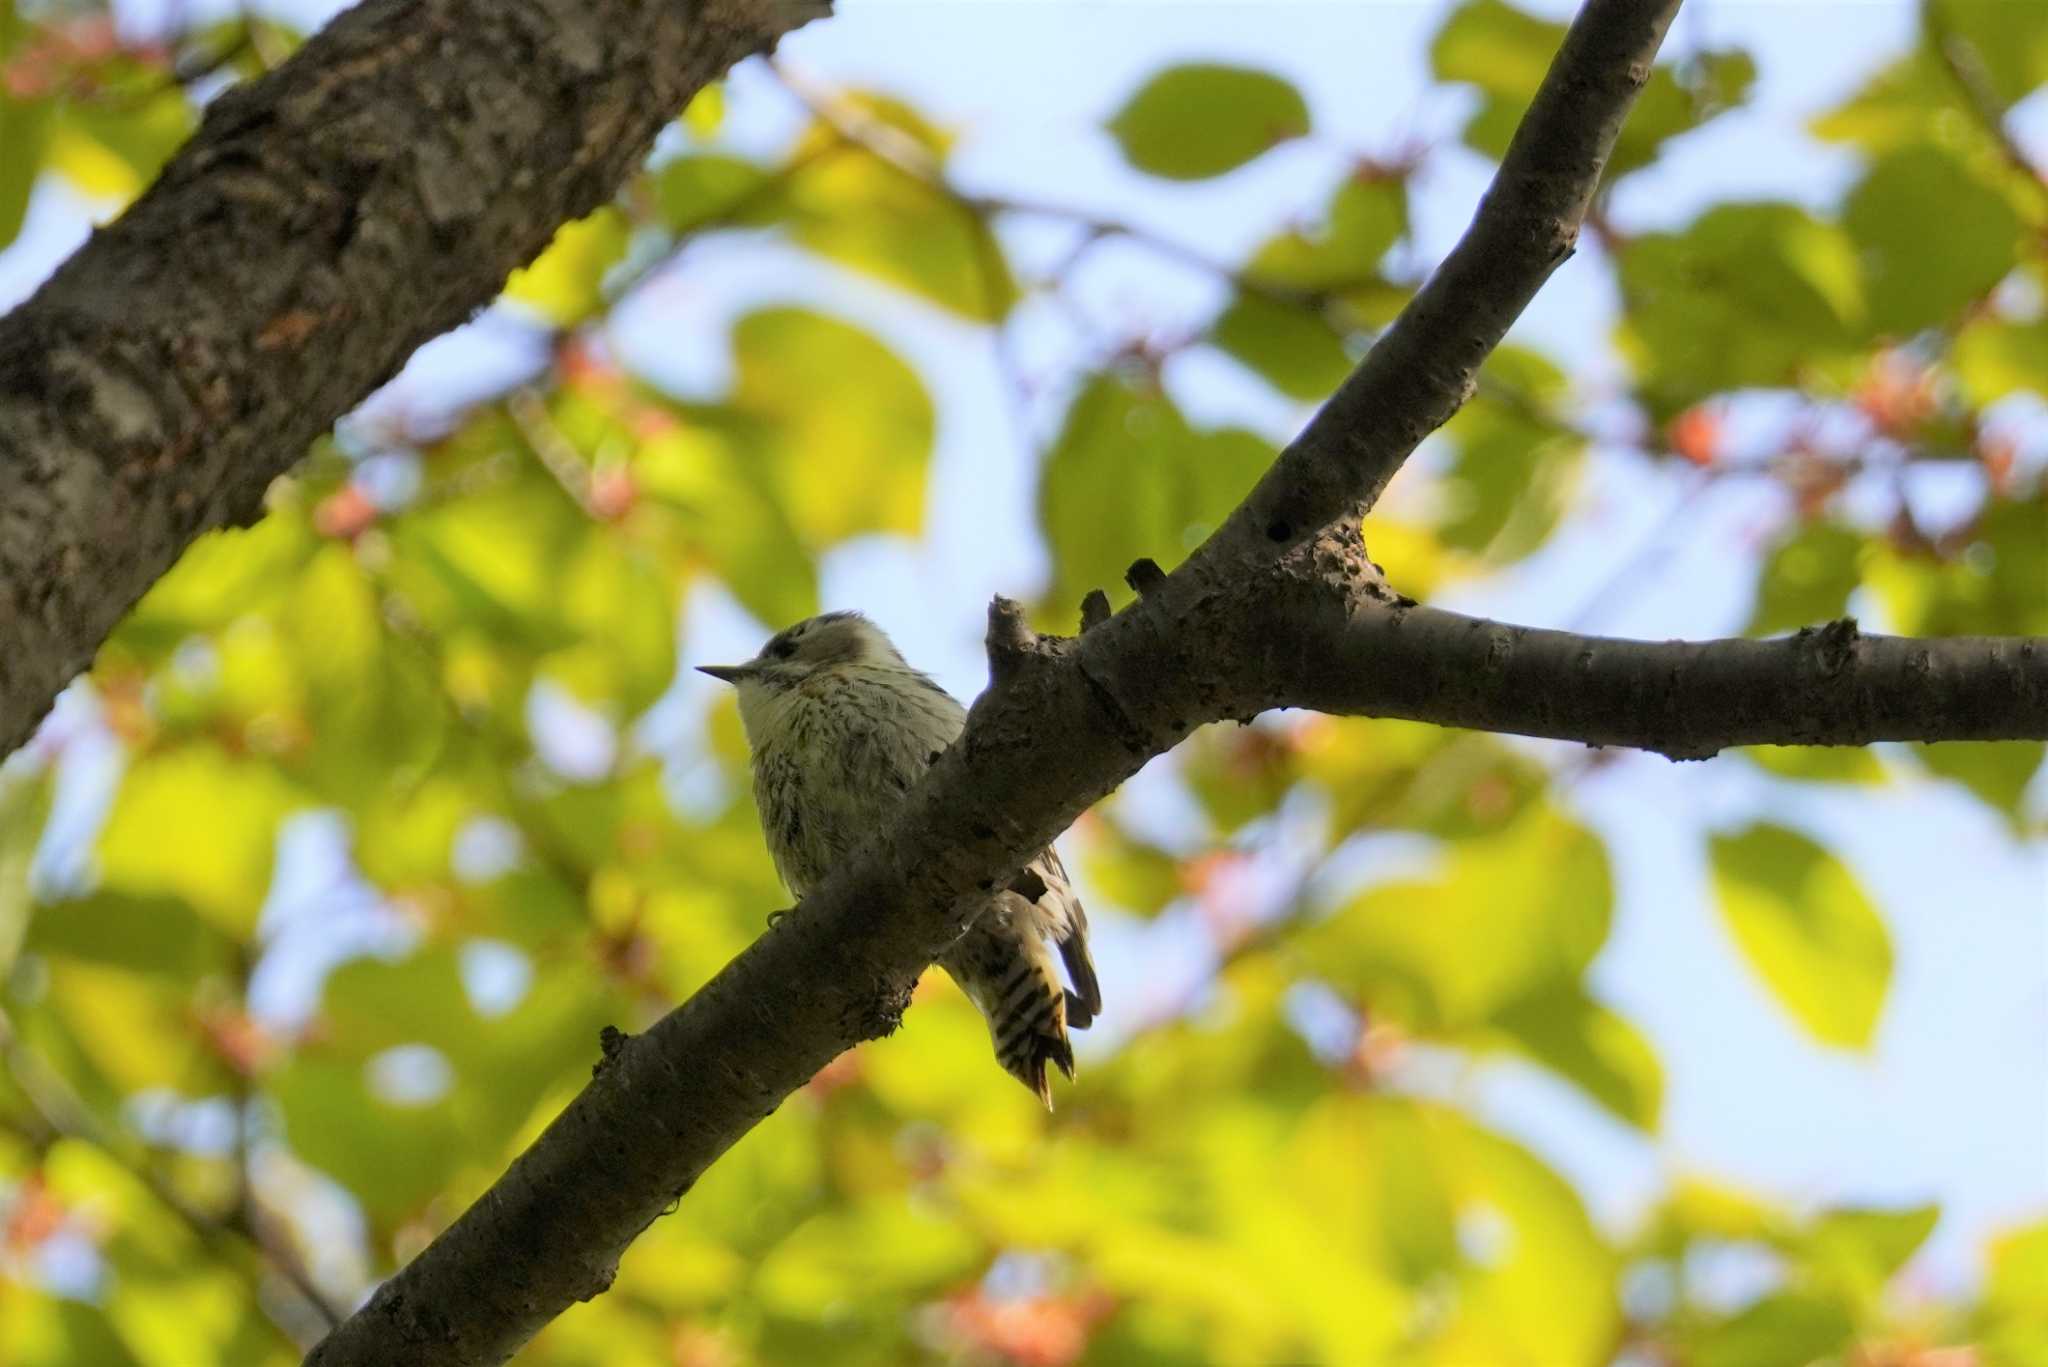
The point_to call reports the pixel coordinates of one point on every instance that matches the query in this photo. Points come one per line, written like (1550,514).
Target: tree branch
(1827,685)
(326,220)
(1068,721)
(1426,364)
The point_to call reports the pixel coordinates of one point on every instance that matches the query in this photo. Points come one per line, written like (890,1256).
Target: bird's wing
(1066,923)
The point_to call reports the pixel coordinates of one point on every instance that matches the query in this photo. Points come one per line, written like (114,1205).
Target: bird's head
(816,644)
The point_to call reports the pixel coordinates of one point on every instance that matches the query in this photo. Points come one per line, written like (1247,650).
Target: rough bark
(1827,685)
(324,221)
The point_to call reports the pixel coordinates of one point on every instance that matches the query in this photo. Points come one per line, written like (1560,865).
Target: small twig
(529,413)
(1959,57)
(58,1114)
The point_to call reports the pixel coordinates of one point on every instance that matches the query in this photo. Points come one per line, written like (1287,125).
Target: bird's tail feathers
(1030,1030)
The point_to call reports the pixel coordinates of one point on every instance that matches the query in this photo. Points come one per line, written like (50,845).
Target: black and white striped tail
(1029,1024)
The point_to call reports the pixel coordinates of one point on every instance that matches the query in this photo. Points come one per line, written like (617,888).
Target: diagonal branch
(1065,723)
(1827,685)
(1426,364)
(371,193)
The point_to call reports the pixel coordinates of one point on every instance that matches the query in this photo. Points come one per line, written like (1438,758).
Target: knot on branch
(1095,610)
(1011,641)
(599,1283)
(877,1012)
(1833,644)
(1144,575)
(611,1042)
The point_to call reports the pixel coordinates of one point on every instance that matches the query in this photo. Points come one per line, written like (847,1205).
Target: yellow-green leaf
(564,284)
(1199,120)
(1807,928)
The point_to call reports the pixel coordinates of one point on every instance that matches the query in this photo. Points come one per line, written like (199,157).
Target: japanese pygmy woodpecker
(840,728)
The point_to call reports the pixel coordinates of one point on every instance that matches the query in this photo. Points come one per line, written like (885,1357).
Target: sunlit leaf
(829,421)
(1591,1046)
(1510,914)
(1199,120)
(564,284)
(1994,358)
(198,824)
(705,112)
(1860,1248)
(877,218)
(1818,763)
(1998,772)
(1807,928)
(881,1249)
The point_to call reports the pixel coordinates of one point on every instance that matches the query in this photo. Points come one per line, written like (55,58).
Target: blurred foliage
(313,900)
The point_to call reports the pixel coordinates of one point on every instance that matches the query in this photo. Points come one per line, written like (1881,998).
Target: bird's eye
(782,650)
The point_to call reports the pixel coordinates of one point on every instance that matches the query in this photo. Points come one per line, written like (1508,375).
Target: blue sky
(1952,1105)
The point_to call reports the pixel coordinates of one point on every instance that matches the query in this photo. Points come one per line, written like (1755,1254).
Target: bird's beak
(731,674)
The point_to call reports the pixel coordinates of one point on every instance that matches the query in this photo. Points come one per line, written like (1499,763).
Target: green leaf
(152,935)
(1592,1047)
(1200,120)
(141,130)
(392,1159)
(1750,295)
(1807,579)
(2015,1315)
(1818,763)
(1933,239)
(1808,930)
(2008,42)
(733,519)
(1990,588)
(1367,214)
(1507,486)
(1287,345)
(1133,874)
(705,188)
(874,217)
(1128,477)
(1860,1248)
(198,824)
(705,112)
(1787,1330)
(564,284)
(1993,358)
(881,1249)
(24,128)
(1512,915)
(1999,772)
(830,422)
(1496,47)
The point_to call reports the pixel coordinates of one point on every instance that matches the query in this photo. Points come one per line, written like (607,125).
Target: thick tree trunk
(372,193)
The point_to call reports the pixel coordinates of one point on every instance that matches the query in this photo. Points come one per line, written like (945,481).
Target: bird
(840,727)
